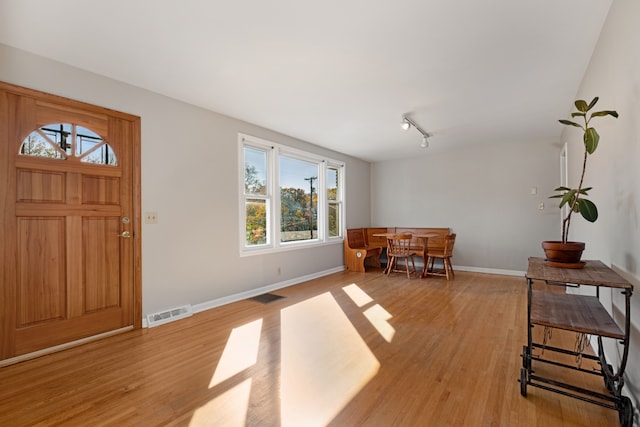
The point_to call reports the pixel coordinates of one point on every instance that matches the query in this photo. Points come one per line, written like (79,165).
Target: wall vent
(155,319)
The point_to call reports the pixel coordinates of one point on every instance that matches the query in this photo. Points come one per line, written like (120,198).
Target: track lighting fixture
(407,122)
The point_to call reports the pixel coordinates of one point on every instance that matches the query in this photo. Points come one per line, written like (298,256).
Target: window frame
(272,197)
(339,202)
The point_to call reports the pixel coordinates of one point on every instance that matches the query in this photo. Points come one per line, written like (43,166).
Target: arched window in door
(65,141)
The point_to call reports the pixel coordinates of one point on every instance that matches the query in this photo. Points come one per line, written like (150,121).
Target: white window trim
(274,150)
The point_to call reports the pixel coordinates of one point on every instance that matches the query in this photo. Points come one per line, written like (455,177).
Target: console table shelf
(582,314)
(579,313)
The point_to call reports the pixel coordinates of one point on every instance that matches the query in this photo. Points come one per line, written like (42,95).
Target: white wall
(189,170)
(482,194)
(614,169)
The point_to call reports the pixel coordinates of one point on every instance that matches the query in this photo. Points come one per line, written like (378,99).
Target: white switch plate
(151,217)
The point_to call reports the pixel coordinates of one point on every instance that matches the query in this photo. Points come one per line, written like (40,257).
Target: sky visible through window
(292,171)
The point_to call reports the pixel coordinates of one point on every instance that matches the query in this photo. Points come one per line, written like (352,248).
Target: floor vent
(266,298)
(167,316)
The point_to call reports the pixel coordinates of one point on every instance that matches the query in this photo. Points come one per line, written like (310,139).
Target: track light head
(405,125)
(425,142)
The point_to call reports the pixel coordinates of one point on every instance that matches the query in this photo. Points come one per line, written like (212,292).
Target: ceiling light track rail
(407,122)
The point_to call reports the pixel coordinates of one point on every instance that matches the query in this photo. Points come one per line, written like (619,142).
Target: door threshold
(65,346)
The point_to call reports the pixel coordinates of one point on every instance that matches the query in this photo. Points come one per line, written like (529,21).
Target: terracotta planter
(563,254)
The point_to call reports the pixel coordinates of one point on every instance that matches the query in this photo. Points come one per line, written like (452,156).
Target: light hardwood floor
(350,349)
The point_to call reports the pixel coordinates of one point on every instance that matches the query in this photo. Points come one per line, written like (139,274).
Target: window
(64,141)
(298,207)
(255,195)
(334,200)
(290,197)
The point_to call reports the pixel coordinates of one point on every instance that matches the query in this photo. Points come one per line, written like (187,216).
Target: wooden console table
(582,314)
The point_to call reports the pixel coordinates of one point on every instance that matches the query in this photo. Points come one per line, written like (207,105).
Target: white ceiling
(336,73)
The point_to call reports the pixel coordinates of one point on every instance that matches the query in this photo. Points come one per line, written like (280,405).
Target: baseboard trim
(481,269)
(489,270)
(258,291)
(218,302)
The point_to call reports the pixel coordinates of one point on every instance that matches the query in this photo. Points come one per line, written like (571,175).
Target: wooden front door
(69,215)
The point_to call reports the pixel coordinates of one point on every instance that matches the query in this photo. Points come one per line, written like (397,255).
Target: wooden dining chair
(399,248)
(445,255)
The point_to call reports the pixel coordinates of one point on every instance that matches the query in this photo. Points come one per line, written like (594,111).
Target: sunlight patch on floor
(240,353)
(325,362)
(377,315)
(358,296)
(379,318)
(228,409)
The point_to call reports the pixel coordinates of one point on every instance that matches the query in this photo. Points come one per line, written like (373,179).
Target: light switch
(151,217)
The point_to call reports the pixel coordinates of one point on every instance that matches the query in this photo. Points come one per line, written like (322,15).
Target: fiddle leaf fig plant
(574,198)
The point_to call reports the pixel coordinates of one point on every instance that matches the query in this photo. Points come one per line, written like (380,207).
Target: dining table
(423,237)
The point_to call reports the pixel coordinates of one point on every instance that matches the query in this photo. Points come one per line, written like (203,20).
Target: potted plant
(565,253)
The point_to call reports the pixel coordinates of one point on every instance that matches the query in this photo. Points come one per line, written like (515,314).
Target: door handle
(125,235)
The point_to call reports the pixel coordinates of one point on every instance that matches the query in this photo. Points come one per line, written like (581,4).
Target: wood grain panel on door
(41,278)
(100,271)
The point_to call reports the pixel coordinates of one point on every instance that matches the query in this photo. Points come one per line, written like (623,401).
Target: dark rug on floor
(266,298)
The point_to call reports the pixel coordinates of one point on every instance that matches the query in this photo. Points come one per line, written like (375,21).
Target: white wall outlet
(151,217)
